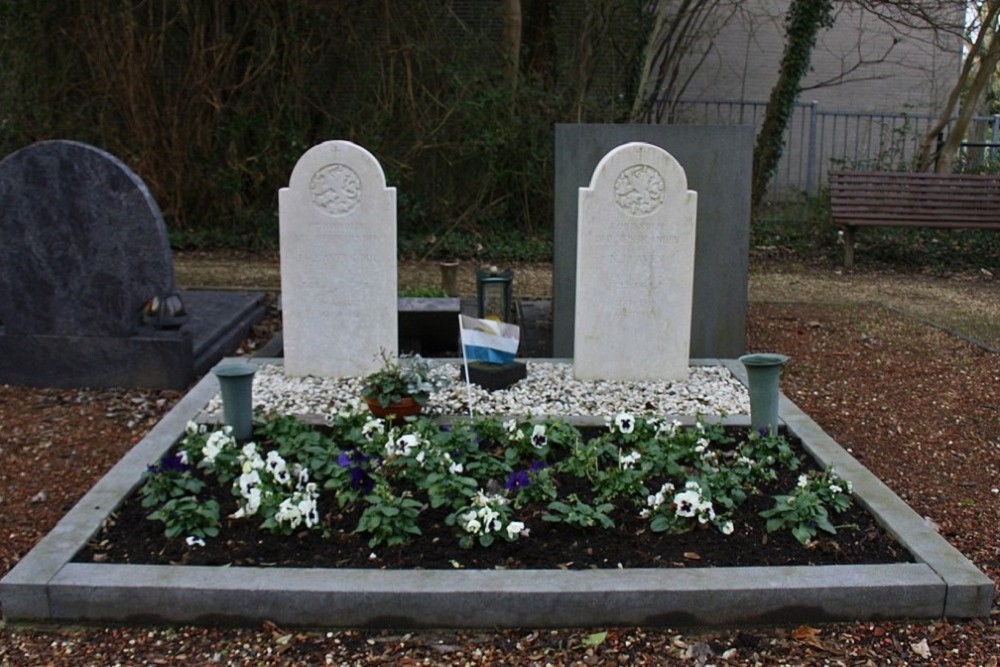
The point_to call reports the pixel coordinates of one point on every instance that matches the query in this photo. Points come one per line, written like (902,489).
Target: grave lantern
(493,293)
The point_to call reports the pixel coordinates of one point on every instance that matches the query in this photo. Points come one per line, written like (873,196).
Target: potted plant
(401,387)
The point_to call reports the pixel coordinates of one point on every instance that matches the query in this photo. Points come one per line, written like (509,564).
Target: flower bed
(488,493)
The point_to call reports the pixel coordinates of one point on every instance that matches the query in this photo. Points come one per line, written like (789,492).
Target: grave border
(46,586)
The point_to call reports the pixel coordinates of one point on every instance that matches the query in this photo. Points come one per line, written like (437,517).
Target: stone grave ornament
(338,263)
(635,268)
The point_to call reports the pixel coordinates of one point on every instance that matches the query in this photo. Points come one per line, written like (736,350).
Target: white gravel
(549,389)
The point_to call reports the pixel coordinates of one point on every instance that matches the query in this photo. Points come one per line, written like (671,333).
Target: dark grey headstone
(83,249)
(718,162)
(84,243)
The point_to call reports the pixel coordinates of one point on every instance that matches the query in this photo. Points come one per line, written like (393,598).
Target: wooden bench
(899,199)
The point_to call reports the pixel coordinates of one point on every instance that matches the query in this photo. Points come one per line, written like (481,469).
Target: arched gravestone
(338,263)
(635,268)
(85,244)
(84,251)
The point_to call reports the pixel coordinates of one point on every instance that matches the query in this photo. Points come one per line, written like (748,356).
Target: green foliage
(213,103)
(390,519)
(188,516)
(398,378)
(807,508)
(482,473)
(423,292)
(487,244)
(168,480)
(575,512)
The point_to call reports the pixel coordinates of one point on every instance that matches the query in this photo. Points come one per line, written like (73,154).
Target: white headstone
(635,268)
(338,263)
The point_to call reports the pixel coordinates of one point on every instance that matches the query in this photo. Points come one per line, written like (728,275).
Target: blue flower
(517,479)
(170,463)
(361,480)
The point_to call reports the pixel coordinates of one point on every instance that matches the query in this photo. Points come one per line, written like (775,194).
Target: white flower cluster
(265,479)
(486,517)
(687,504)
(217,442)
(628,461)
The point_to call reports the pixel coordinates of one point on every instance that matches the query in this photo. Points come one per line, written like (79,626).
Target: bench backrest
(919,200)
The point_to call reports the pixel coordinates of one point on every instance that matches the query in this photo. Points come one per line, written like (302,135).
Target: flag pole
(465,364)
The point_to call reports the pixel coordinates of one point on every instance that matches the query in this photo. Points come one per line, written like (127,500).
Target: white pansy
(625,422)
(210,451)
(456,468)
(727,528)
(628,461)
(668,430)
(686,503)
(406,444)
(249,480)
(538,437)
(514,529)
(278,468)
(372,428)
(193,541)
(803,481)
(834,488)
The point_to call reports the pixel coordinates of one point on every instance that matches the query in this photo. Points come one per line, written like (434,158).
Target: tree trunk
(512,45)
(802,25)
(986,39)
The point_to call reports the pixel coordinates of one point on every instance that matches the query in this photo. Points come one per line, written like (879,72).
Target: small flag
(488,340)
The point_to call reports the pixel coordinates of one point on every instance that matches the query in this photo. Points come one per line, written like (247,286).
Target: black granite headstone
(87,284)
(85,245)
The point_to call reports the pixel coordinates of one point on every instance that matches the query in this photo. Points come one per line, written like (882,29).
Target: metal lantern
(493,293)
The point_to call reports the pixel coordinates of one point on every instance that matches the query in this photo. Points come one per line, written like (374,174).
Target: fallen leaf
(921,648)
(691,555)
(595,639)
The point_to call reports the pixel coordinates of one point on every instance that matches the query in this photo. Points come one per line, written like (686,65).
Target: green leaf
(660,524)
(803,533)
(595,639)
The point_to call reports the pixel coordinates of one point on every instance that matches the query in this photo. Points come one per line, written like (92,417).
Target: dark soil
(129,537)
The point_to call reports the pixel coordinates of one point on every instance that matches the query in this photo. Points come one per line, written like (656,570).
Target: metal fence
(818,140)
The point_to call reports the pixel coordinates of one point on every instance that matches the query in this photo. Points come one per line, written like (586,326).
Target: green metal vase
(763,375)
(236,386)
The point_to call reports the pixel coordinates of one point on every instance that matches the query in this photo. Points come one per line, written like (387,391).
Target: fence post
(811,175)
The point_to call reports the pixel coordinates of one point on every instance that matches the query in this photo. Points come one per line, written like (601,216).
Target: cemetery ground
(901,369)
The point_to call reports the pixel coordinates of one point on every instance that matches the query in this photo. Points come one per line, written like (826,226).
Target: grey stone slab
(47,585)
(85,245)
(429,325)
(157,359)
(718,162)
(164,359)
(484,598)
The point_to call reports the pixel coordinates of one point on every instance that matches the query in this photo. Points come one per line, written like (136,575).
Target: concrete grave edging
(46,586)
